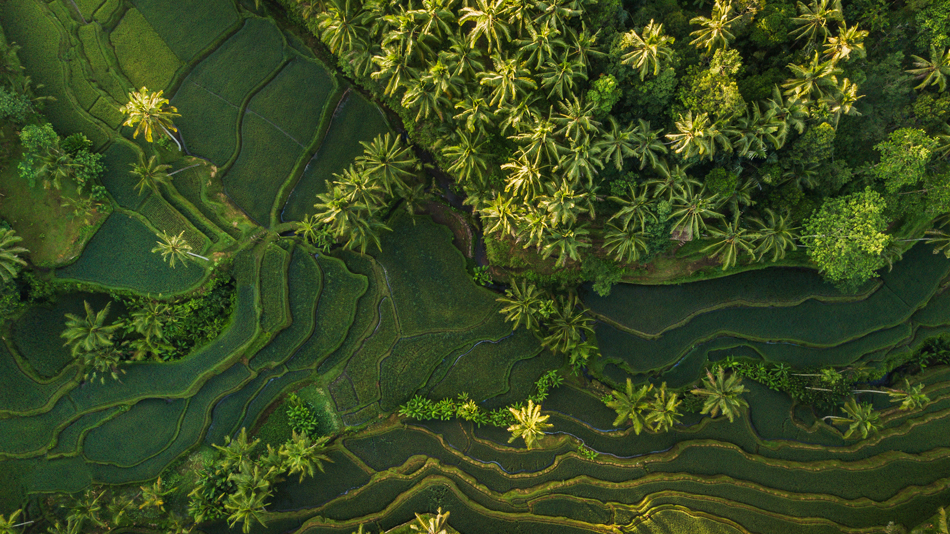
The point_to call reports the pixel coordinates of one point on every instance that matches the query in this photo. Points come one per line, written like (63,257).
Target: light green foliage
(14,107)
(603,95)
(846,238)
(37,141)
(631,405)
(934,24)
(932,111)
(714,90)
(530,424)
(814,147)
(904,158)
(722,394)
(773,24)
(722,182)
(302,419)
(604,273)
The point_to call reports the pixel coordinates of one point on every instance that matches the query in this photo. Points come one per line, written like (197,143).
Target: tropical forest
(474,266)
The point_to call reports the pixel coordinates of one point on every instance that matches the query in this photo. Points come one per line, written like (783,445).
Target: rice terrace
(474,266)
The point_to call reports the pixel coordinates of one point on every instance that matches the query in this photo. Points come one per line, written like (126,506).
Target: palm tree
(153,496)
(341,26)
(436,17)
(848,41)
(751,131)
(7,525)
(664,410)
(616,144)
(576,120)
(422,96)
(174,248)
(9,254)
(524,177)
(150,319)
(690,137)
(631,405)
(649,52)
(522,303)
(691,208)
(150,174)
(533,227)
(365,232)
(714,32)
(564,204)
(636,209)
(56,166)
(810,80)
(540,141)
(731,241)
(814,18)
(301,454)
(789,112)
(466,60)
(842,100)
(86,508)
(580,163)
(530,424)
(147,111)
(101,362)
(774,235)
(508,79)
(722,394)
(541,46)
(388,162)
(434,524)
(475,111)
(860,418)
(560,76)
(934,71)
(568,325)
(649,146)
(488,16)
(583,45)
(910,397)
(466,157)
(555,12)
(394,68)
(90,333)
(500,216)
(567,243)
(246,507)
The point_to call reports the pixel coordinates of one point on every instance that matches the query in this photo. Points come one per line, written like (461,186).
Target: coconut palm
(631,405)
(436,18)
(576,120)
(539,142)
(556,12)
(567,243)
(789,112)
(774,235)
(508,79)
(153,496)
(388,162)
(754,132)
(564,203)
(543,44)
(465,60)
(933,71)
(490,22)
(150,174)
(89,333)
(648,52)
(55,167)
(341,26)
(86,508)
(530,424)
(522,304)
(394,68)
(150,319)
(730,241)
(582,45)
(434,524)
(560,76)
(714,32)
(9,524)
(580,163)
(648,145)
(533,227)
(722,394)
(467,157)
(422,96)
(476,112)
(174,248)
(859,418)
(842,100)
(148,111)
(9,254)
(616,144)
(811,80)
(690,137)
(636,207)
(691,206)
(524,177)
(664,410)
(500,215)
(301,454)
(848,41)
(910,397)
(568,325)
(365,232)
(236,453)
(246,506)
(813,19)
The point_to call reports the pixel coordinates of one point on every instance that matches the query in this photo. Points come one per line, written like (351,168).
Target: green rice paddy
(365,333)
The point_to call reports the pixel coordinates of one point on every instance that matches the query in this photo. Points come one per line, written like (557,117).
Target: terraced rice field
(267,124)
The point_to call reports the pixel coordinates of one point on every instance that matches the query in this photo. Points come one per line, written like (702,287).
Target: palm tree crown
(530,424)
(146,111)
(9,254)
(631,405)
(722,394)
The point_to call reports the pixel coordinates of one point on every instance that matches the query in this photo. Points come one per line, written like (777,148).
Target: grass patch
(50,231)
(276,310)
(295,99)
(119,441)
(118,179)
(266,160)
(68,441)
(430,286)
(355,119)
(363,367)
(208,123)
(142,54)
(166,219)
(188,26)
(120,255)
(242,62)
(107,110)
(88,7)
(26,435)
